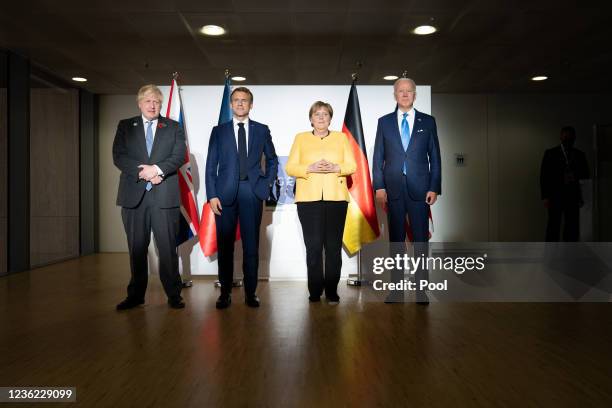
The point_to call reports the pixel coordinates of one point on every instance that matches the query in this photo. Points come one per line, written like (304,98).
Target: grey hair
(397,81)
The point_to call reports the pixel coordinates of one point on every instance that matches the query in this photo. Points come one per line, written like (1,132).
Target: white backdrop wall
(285,110)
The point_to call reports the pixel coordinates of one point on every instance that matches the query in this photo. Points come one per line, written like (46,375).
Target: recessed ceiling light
(238,78)
(425,30)
(213,30)
(539,78)
(390,77)
(79,79)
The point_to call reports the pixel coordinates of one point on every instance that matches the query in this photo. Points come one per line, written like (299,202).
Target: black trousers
(246,209)
(570,213)
(138,223)
(323,227)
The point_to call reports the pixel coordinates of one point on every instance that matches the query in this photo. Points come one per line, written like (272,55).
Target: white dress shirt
(153,126)
(153,129)
(409,118)
(246,129)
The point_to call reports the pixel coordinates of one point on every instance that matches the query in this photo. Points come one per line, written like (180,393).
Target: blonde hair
(150,88)
(318,105)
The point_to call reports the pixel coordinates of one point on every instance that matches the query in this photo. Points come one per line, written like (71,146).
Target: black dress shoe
(314,299)
(332,300)
(129,304)
(224,301)
(176,303)
(252,301)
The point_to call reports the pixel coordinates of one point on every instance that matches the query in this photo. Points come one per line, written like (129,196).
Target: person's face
(241,104)
(405,94)
(150,105)
(567,138)
(320,119)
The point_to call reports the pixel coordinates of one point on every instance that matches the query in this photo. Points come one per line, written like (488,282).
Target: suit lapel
(138,134)
(251,137)
(229,133)
(396,131)
(415,127)
(160,132)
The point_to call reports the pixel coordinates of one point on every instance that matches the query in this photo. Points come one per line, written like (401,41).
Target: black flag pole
(358,281)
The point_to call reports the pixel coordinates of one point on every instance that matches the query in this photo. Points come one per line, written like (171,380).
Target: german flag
(361,224)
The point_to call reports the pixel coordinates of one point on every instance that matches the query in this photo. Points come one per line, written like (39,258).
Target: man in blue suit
(407,174)
(236,185)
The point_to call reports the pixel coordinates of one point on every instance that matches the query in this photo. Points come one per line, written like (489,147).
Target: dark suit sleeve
(435,161)
(121,157)
(212,162)
(176,157)
(271,158)
(545,183)
(378,160)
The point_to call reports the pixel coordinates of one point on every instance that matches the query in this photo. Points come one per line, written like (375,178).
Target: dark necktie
(242,151)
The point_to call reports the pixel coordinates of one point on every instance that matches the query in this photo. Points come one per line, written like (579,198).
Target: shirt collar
(236,122)
(145,120)
(400,114)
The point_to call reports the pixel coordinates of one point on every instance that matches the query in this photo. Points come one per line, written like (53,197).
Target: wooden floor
(58,327)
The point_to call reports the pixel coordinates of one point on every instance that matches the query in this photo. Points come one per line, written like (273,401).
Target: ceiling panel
(481,45)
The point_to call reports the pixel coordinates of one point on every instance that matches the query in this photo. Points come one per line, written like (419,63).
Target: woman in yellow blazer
(320,160)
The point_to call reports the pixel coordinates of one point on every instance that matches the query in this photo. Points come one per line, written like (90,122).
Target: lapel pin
(135,124)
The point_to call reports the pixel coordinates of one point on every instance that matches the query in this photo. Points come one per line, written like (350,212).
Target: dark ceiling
(481,46)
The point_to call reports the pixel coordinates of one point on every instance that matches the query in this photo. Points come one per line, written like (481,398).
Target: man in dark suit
(562,169)
(236,186)
(407,175)
(149,149)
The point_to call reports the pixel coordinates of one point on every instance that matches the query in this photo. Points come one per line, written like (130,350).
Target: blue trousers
(247,209)
(418,214)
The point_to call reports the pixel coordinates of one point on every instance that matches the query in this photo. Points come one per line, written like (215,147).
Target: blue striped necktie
(405,136)
(149,138)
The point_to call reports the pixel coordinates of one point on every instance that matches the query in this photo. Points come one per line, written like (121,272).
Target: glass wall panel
(3,162)
(54,170)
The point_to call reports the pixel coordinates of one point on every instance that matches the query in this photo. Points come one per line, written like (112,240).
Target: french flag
(208,237)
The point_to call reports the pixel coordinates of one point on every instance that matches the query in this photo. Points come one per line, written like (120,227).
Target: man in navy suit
(407,174)
(236,185)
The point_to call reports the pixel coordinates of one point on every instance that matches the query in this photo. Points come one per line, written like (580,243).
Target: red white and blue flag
(208,237)
(190,219)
